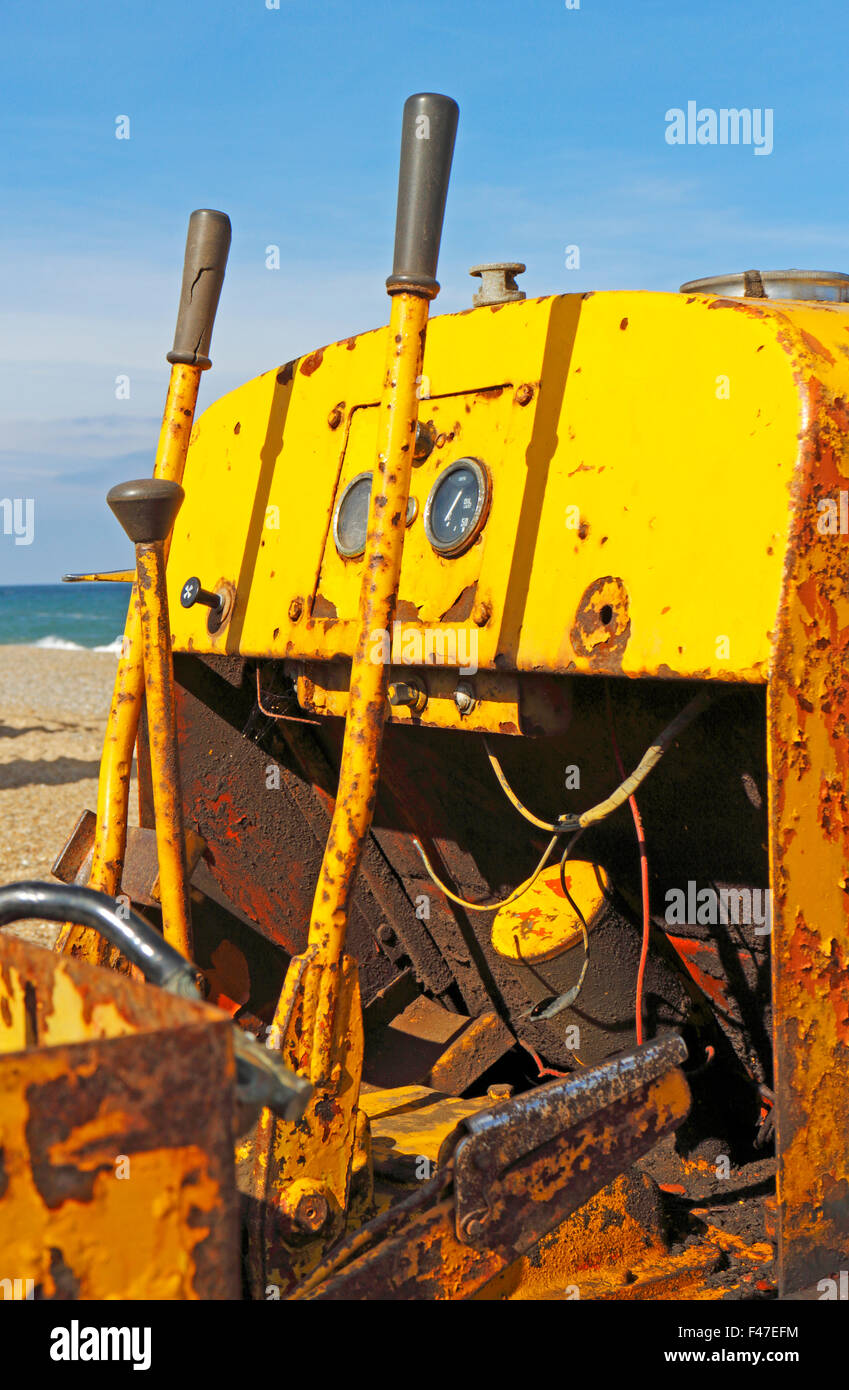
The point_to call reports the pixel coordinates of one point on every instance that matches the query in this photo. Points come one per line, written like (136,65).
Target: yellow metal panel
(651,476)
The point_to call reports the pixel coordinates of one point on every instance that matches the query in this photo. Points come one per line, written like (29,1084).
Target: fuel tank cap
(828,286)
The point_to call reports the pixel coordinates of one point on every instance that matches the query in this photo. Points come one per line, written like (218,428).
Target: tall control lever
(207,248)
(318,1020)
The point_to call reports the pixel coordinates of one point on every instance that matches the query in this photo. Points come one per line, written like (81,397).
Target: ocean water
(64,615)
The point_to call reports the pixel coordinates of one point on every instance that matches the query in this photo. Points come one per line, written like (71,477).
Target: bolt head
(473,1226)
(464,698)
(311,1213)
(335,417)
(524,394)
(296,608)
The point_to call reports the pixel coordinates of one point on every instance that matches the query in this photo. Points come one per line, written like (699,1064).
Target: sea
(65,616)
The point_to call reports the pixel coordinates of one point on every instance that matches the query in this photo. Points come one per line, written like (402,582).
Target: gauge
(457,507)
(350,520)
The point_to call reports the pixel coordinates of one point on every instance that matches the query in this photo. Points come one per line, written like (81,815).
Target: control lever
(192,593)
(147,509)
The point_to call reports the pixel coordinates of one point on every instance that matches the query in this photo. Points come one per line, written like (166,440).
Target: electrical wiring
(487,907)
(626,788)
(550,1008)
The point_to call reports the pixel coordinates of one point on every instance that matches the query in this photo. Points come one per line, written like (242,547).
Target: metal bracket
(524,1166)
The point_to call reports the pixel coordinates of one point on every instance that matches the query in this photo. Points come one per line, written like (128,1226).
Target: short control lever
(192,593)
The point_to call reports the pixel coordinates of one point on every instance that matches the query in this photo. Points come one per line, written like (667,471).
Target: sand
(53,707)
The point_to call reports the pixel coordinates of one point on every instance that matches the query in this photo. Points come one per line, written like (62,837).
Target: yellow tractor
(485,930)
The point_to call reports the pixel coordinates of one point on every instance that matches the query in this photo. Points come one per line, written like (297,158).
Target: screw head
(524,394)
(296,608)
(189,592)
(335,417)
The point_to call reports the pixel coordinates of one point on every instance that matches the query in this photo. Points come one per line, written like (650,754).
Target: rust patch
(602,626)
(323,608)
(406,612)
(816,346)
(461,608)
(312,363)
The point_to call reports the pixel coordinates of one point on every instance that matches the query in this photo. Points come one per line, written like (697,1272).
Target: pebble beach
(53,707)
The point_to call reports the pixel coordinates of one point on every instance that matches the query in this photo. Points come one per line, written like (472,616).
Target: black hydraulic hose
(133,936)
(262,1077)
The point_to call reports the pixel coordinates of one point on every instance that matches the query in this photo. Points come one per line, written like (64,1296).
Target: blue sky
(289,120)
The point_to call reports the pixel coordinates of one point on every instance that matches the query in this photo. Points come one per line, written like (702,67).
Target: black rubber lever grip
(134,937)
(427,149)
(207,248)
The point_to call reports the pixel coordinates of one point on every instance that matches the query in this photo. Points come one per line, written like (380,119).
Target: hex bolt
(500,1091)
(336,417)
(464,699)
(524,394)
(407,694)
(386,935)
(296,608)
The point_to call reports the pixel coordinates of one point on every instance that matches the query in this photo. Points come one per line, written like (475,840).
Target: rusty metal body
(475,1049)
(116,1135)
(434,781)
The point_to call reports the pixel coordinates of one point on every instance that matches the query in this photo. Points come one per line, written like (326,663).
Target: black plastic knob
(192,593)
(146,508)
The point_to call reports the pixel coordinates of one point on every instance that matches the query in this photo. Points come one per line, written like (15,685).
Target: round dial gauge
(350,519)
(457,507)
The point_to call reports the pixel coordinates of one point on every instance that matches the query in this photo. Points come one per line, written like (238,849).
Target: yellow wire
(513,798)
(488,907)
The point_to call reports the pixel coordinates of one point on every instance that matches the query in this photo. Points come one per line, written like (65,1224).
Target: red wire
(644,876)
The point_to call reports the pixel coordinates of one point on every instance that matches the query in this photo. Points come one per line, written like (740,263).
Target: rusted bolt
(386,935)
(473,1225)
(481,614)
(408,694)
(304,1206)
(296,608)
(464,699)
(336,416)
(499,1092)
(524,394)
(310,1213)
